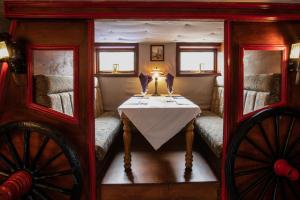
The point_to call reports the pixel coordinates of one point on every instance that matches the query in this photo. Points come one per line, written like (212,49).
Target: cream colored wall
(116,90)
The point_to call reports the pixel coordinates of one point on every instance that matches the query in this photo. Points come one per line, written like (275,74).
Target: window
(195,59)
(116,59)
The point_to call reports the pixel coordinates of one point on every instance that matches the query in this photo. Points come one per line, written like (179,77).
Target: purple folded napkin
(169,80)
(145,80)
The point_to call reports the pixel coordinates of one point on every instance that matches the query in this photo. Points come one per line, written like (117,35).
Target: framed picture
(157,53)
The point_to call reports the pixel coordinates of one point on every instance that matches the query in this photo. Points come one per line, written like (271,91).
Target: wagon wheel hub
(16,185)
(283,168)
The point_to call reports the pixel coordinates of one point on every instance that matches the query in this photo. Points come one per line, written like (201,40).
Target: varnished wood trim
(30,104)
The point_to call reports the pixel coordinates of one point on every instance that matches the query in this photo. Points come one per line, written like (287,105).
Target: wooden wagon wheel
(264,157)
(37,163)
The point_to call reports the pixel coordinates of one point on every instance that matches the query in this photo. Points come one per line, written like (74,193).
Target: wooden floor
(158,175)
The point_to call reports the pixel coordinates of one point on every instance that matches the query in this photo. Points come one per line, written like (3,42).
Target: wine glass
(170,91)
(144,92)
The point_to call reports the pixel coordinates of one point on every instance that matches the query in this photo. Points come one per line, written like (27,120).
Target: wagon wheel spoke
(65,177)
(292,188)
(40,194)
(277,143)
(246,172)
(271,180)
(52,159)
(265,188)
(8,163)
(258,148)
(244,156)
(253,184)
(39,152)
(274,197)
(289,152)
(287,138)
(4,173)
(13,151)
(262,130)
(26,155)
(54,188)
(55,174)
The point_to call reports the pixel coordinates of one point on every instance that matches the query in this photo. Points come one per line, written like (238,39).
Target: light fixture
(295,56)
(12,53)
(156,73)
(3,51)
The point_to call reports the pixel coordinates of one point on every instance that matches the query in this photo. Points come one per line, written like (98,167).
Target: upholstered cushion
(210,127)
(52,84)
(255,100)
(217,102)
(107,126)
(98,98)
(259,82)
(55,92)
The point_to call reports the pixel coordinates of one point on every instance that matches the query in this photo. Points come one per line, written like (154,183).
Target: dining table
(158,119)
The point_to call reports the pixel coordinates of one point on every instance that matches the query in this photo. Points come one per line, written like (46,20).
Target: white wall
(115,90)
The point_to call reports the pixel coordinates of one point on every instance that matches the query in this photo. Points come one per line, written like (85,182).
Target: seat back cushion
(217,103)
(54,92)
(98,98)
(260,90)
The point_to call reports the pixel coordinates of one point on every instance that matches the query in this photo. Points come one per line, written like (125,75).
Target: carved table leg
(127,142)
(189,137)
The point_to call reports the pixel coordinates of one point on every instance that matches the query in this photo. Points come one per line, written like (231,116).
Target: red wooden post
(283,168)
(16,185)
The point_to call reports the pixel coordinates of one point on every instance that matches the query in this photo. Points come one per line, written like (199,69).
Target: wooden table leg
(189,137)
(127,142)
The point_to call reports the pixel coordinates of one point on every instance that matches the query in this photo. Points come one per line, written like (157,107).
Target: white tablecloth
(159,118)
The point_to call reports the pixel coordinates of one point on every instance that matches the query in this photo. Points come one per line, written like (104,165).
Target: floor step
(159,175)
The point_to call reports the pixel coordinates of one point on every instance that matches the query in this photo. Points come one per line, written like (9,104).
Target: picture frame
(157,53)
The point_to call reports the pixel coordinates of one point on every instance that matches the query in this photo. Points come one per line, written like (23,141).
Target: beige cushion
(98,98)
(217,102)
(107,126)
(210,127)
(52,84)
(55,92)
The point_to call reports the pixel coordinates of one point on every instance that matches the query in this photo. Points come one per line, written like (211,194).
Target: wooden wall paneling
(55,32)
(268,33)
(163,10)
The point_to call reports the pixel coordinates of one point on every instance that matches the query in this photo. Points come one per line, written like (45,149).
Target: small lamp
(295,55)
(156,73)
(3,51)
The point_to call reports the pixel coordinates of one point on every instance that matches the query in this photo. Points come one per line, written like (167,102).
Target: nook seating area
(259,90)
(56,92)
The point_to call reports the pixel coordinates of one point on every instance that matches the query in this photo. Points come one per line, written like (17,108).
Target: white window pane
(124,59)
(190,61)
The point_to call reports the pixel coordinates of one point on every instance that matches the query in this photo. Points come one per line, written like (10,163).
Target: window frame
(197,47)
(117,47)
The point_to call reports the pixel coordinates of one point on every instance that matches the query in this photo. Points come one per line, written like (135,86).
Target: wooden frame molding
(230,12)
(138,9)
(117,47)
(58,115)
(284,60)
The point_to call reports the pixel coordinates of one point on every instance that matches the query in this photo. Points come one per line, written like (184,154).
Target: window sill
(198,74)
(117,74)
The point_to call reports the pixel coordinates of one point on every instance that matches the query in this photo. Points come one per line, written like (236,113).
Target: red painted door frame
(11,11)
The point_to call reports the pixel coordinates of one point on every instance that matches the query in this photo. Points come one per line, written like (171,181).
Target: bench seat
(107,126)
(56,92)
(210,128)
